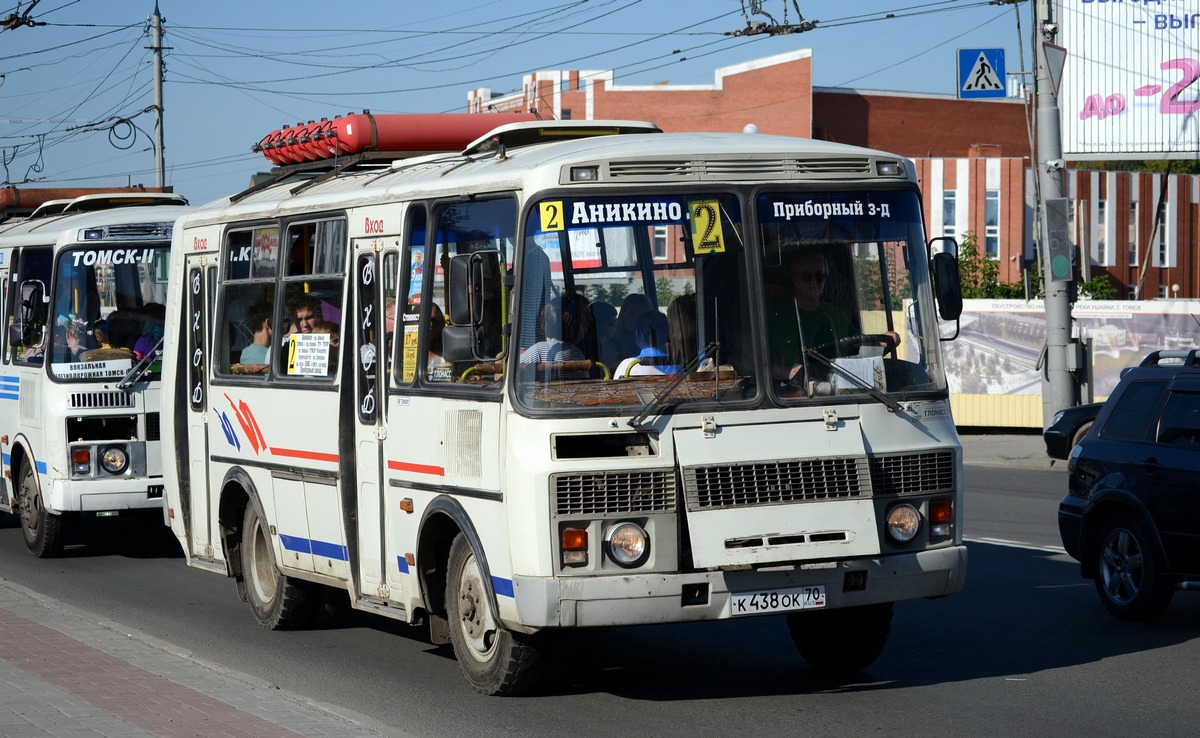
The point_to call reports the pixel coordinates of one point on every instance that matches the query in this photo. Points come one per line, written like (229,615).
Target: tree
(980,276)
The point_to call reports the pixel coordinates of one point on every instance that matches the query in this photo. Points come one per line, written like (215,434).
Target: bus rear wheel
(278,602)
(843,641)
(45,533)
(493,659)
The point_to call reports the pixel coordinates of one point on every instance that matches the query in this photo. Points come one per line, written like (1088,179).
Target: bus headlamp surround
(114,459)
(903,523)
(627,544)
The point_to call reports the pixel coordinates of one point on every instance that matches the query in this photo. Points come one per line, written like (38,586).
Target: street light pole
(1059,388)
(156,46)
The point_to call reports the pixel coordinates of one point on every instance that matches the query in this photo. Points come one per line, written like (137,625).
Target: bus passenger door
(9,383)
(371,278)
(201,281)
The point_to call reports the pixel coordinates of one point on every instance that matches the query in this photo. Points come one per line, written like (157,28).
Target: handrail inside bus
(139,369)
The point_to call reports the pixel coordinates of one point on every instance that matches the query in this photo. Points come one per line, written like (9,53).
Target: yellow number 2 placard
(552,215)
(706,227)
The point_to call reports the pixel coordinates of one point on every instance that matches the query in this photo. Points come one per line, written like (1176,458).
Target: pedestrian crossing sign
(981,74)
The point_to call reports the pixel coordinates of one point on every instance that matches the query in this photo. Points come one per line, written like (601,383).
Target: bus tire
(495,661)
(278,602)
(45,533)
(842,641)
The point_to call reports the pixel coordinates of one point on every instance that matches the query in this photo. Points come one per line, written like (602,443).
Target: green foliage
(662,286)
(980,275)
(1098,288)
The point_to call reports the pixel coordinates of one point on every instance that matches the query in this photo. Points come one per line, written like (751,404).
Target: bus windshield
(108,305)
(620,296)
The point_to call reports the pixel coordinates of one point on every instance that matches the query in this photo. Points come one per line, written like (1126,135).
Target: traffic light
(1058,240)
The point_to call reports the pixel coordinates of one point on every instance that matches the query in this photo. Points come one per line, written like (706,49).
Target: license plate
(777,600)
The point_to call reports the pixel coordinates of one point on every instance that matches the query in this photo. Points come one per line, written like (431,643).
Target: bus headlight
(627,545)
(114,460)
(903,522)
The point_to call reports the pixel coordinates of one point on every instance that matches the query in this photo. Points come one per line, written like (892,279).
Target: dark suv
(1131,516)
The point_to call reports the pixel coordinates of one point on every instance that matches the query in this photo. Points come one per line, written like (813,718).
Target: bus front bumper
(640,599)
(102,495)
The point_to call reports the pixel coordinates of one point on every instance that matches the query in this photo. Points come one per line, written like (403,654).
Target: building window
(949,217)
(1133,230)
(1101,232)
(1162,291)
(991,224)
(1132,292)
(660,243)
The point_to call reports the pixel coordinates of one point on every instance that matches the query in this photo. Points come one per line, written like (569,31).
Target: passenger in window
(331,329)
(652,358)
(152,332)
(258,318)
(623,342)
(562,330)
(306,315)
(803,321)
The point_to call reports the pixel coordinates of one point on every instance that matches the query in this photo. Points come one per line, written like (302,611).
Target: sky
(77,99)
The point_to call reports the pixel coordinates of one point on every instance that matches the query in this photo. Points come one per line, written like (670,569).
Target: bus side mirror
(947,284)
(470,277)
(29,317)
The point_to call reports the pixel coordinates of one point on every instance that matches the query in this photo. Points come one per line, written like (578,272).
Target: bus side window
(246,325)
(312,302)
(30,312)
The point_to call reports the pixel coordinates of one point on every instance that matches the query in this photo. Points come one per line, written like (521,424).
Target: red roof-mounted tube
(363,132)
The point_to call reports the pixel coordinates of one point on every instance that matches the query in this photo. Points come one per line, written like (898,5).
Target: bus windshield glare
(620,296)
(108,305)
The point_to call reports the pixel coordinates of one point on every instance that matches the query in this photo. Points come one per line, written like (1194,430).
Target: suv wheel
(1127,570)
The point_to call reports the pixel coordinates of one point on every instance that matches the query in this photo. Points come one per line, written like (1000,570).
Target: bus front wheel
(493,659)
(842,641)
(278,602)
(44,533)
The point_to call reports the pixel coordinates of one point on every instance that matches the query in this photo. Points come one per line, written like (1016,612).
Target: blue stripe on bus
(6,460)
(315,548)
(10,388)
(502,587)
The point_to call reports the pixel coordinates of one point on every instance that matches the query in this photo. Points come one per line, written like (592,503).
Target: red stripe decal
(417,468)
(310,455)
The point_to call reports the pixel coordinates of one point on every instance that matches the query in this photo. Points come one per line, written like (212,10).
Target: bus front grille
(99,400)
(611,492)
(776,482)
(898,474)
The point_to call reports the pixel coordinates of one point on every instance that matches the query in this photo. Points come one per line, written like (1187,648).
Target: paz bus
(83,283)
(433,427)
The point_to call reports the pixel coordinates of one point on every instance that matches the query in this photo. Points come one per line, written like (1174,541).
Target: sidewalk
(66,673)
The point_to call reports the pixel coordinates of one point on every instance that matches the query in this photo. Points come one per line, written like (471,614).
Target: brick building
(972,156)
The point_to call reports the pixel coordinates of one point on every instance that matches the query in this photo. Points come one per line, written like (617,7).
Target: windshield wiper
(661,396)
(892,405)
(139,369)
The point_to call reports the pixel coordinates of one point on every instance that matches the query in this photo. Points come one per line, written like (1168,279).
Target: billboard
(999,346)
(1130,87)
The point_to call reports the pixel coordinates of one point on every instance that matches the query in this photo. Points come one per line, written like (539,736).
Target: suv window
(1180,421)
(1131,417)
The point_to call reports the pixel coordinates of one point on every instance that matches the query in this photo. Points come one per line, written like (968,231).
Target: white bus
(83,287)
(487,459)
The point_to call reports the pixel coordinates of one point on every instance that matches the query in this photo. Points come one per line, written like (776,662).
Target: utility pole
(1059,387)
(156,46)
